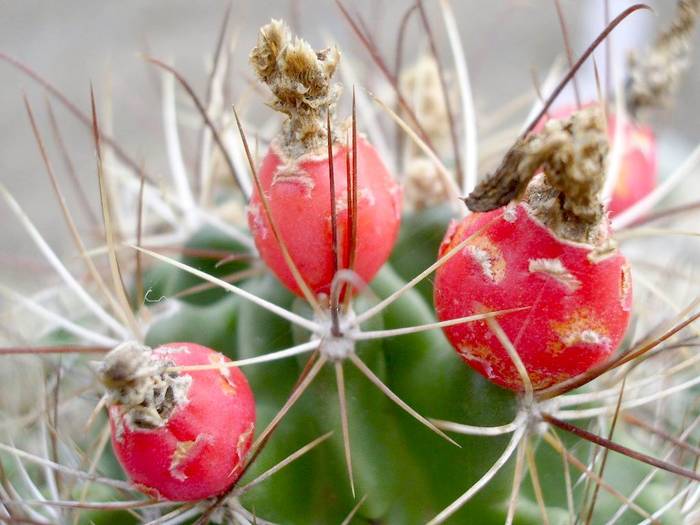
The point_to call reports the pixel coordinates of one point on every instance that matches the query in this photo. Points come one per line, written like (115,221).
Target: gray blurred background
(74,43)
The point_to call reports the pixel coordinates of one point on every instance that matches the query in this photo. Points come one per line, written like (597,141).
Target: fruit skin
(638,174)
(579,309)
(298,193)
(639,167)
(213,431)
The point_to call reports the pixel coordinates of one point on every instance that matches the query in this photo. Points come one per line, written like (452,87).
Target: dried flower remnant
(654,76)
(637,172)
(572,154)
(423,184)
(300,80)
(141,384)
(420,84)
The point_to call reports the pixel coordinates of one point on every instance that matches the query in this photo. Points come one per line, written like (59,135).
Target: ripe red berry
(552,253)
(295,176)
(181,436)
(299,199)
(638,166)
(579,307)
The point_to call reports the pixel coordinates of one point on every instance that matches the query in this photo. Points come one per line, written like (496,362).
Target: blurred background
(78,43)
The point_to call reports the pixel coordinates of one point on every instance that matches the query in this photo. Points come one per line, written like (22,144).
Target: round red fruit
(579,301)
(298,193)
(295,177)
(181,436)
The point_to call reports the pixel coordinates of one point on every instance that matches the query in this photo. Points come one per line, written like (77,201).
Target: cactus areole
(551,252)
(295,175)
(181,436)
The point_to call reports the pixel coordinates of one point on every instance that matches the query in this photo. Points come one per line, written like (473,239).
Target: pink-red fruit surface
(298,193)
(198,453)
(578,309)
(639,164)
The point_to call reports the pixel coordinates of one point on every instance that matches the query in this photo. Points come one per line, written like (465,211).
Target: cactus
(365,413)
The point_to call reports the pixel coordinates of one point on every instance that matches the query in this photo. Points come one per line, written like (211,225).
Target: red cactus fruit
(552,253)
(299,199)
(638,167)
(295,175)
(181,436)
(579,307)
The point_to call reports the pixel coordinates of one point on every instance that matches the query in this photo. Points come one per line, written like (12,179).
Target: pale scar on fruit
(581,327)
(488,256)
(241,447)
(228,386)
(555,347)
(625,286)
(292,174)
(481,354)
(505,371)
(185,450)
(510,212)
(544,378)
(455,231)
(501,369)
(364,195)
(555,269)
(258,221)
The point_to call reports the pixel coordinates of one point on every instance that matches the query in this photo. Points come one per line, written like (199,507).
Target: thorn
(139,299)
(602,36)
(534,476)
(334,223)
(445,92)
(354,510)
(606,452)
(117,281)
(620,449)
(308,294)
(279,466)
(342,399)
(203,113)
(567,47)
(396,399)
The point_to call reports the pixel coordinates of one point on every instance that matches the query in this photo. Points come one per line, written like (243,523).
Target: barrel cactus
(307,307)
